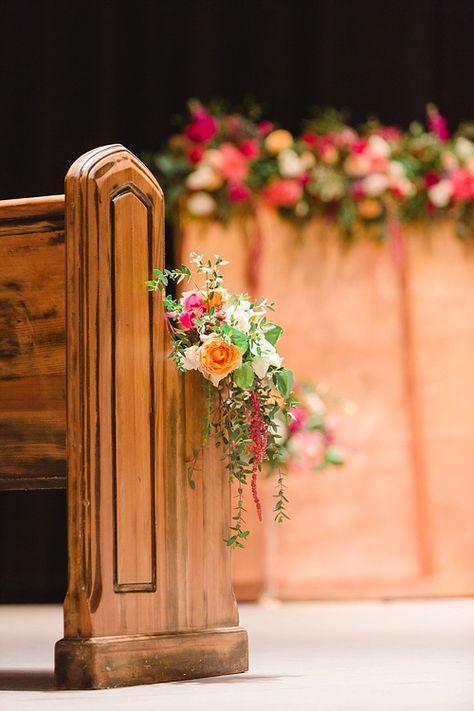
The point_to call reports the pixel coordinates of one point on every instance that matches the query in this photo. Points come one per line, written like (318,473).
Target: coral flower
(234,165)
(463,184)
(283,193)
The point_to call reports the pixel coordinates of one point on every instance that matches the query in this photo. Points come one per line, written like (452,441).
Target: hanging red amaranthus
(258,448)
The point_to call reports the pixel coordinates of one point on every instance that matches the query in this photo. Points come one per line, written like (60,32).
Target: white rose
(290,164)
(265,355)
(464,148)
(261,364)
(396,169)
(379,146)
(375,184)
(200,178)
(201,204)
(240,315)
(440,193)
(191,358)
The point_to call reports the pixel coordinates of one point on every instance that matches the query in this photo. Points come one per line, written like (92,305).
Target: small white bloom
(449,161)
(375,184)
(301,208)
(214,157)
(191,358)
(265,355)
(440,193)
(239,314)
(396,169)
(464,148)
(200,178)
(290,164)
(379,146)
(201,204)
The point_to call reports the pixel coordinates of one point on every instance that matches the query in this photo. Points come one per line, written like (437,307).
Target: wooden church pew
(89,400)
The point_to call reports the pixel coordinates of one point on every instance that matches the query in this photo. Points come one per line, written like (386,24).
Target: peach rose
(278,140)
(369,209)
(217,358)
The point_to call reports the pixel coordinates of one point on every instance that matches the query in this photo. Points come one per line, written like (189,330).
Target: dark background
(75,75)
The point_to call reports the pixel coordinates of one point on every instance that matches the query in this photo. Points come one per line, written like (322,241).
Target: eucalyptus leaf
(243,377)
(273,334)
(284,381)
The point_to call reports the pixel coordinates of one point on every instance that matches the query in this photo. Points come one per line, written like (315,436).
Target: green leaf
(284,381)
(334,455)
(243,377)
(273,334)
(239,339)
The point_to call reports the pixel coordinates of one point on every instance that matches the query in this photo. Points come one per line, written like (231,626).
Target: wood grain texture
(146,553)
(112,662)
(32,344)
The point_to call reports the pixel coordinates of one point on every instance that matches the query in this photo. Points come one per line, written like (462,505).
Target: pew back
(32,344)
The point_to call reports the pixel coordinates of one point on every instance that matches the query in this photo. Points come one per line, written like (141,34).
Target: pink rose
(203,127)
(359,146)
(310,138)
(437,123)
(250,148)
(300,416)
(195,154)
(265,127)
(431,179)
(233,166)
(389,133)
(238,192)
(307,449)
(357,190)
(283,192)
(193,309)
(463,184)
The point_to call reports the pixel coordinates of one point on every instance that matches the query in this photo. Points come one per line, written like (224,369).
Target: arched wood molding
(149,595)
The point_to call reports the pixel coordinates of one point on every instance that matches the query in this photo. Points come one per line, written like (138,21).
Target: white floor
(408,656)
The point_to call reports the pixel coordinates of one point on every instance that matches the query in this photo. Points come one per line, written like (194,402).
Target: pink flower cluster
(335,170)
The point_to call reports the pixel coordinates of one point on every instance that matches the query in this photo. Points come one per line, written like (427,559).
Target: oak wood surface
(146,553)
(32,343)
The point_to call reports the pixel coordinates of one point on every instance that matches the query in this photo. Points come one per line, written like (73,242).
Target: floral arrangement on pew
(225,164)
(308,441)
(231,341)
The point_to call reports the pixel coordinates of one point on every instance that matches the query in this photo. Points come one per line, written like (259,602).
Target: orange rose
(215,299)
(218,358)
(369,209)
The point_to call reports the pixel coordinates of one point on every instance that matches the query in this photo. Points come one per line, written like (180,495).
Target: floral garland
(226,164)
(232,343)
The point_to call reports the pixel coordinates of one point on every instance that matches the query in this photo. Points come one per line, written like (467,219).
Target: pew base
(108,662)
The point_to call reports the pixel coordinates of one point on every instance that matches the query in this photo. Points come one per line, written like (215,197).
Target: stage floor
(403,656)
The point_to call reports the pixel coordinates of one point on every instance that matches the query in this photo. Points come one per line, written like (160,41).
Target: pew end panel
(149,594)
